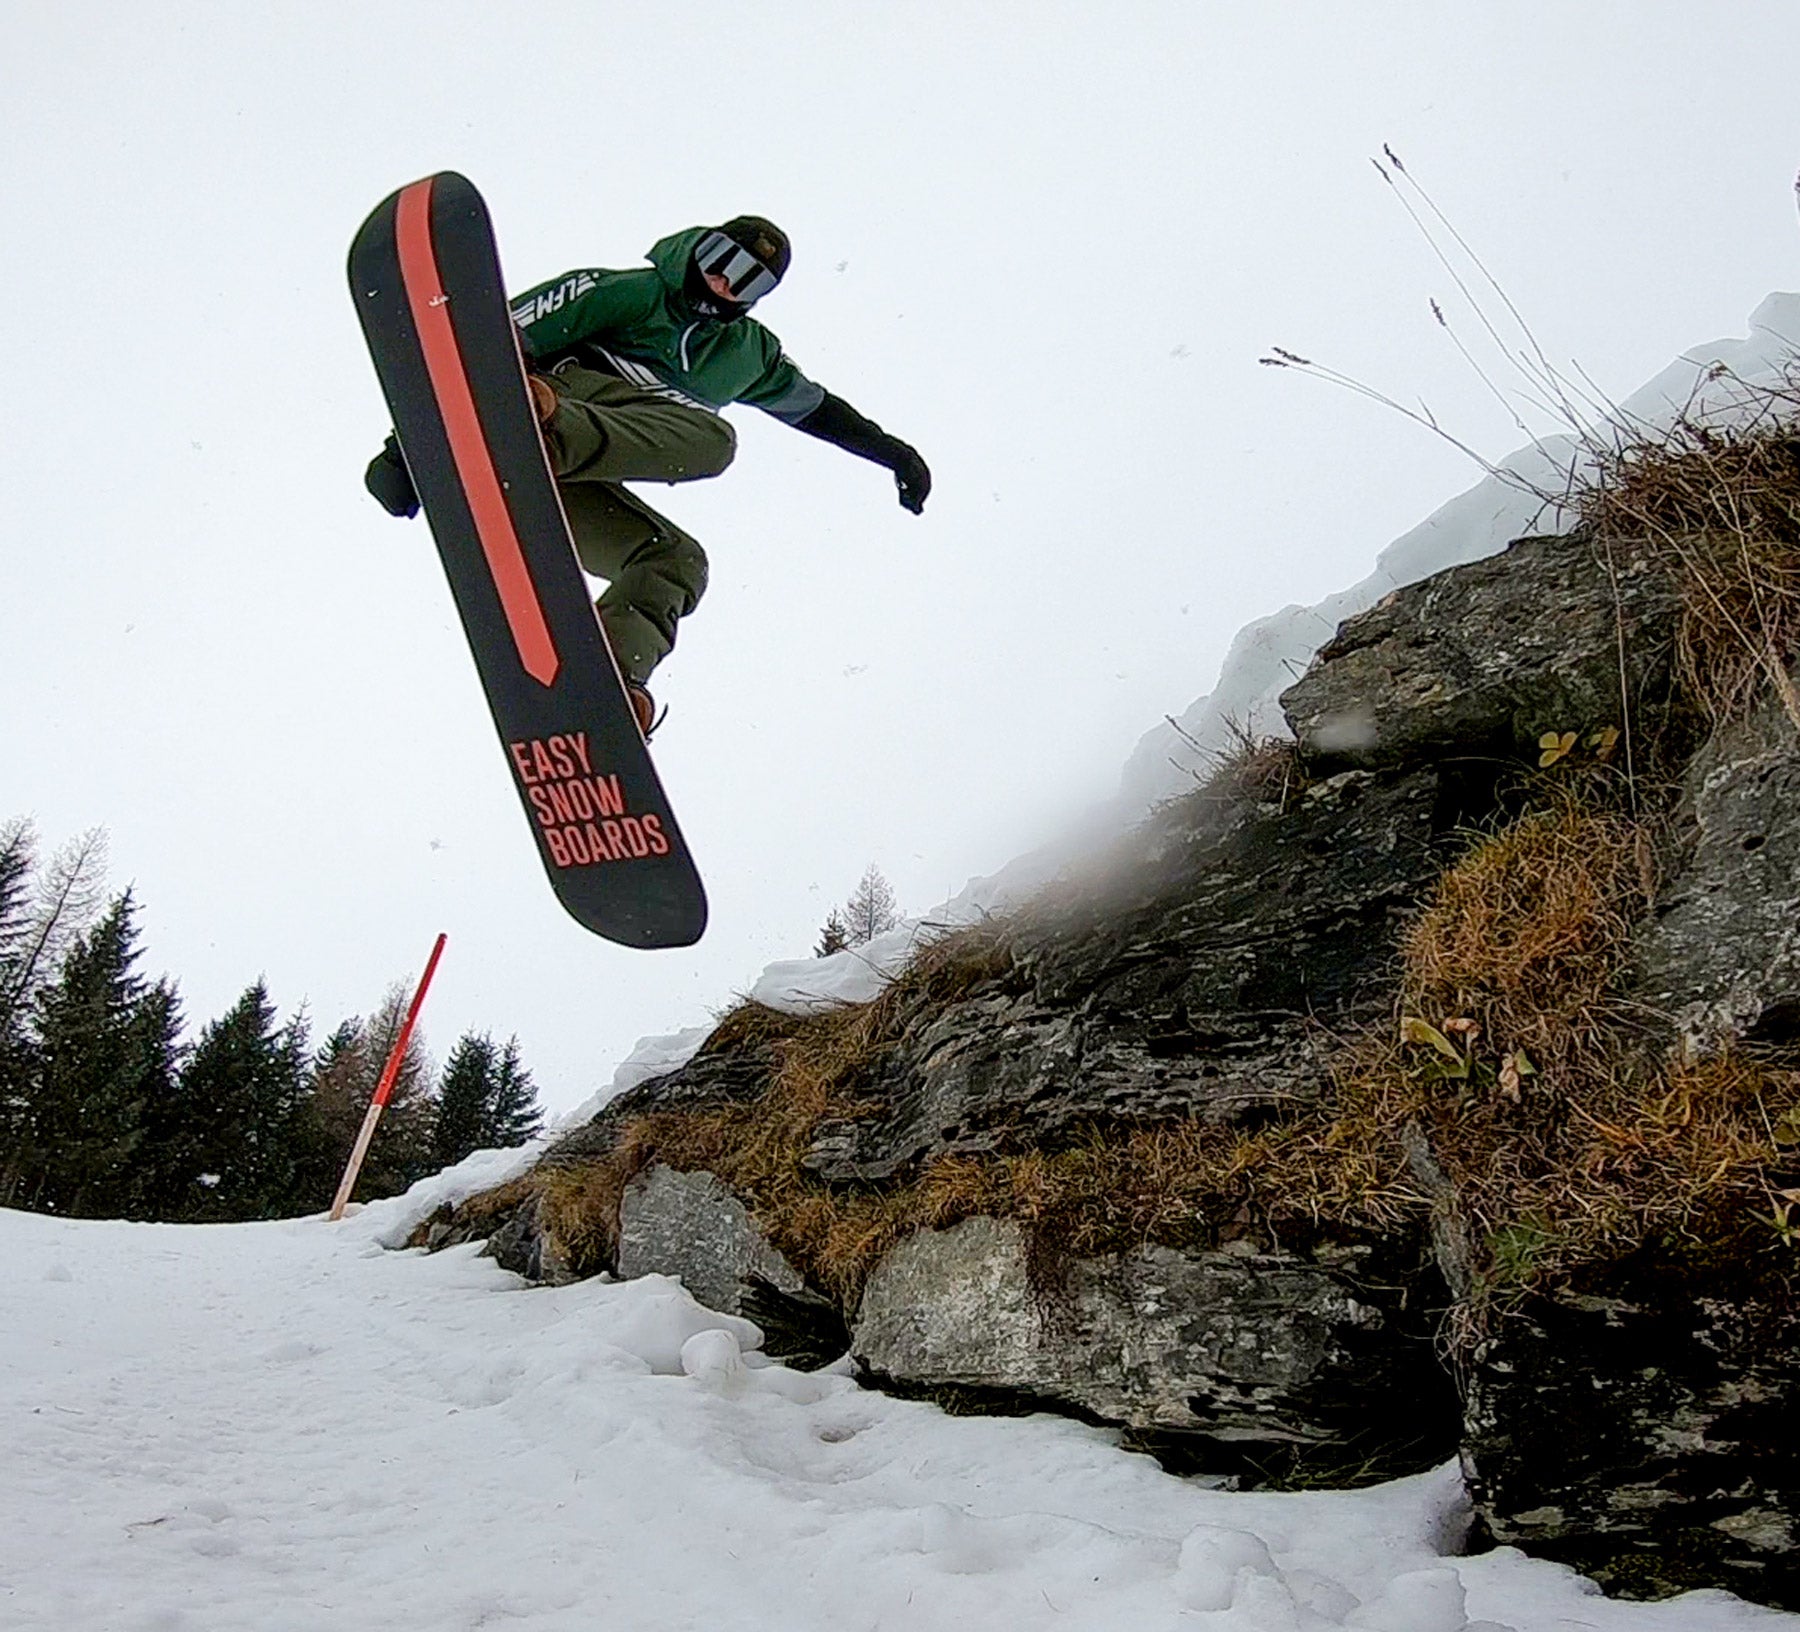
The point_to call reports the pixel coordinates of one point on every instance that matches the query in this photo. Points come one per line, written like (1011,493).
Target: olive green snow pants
(606,431)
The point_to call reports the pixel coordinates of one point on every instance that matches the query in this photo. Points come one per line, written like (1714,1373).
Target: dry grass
(1523,936)
(1721,509)
(1247,769)
(758,1149)
(1584,1156)
(1261,770)
(1564,1143)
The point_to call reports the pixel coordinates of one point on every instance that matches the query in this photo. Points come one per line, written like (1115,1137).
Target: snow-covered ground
(288,1428)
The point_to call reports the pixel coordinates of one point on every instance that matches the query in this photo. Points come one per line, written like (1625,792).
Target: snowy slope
(287,1428)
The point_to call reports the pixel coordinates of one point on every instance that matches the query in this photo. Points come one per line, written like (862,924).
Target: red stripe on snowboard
(474,464)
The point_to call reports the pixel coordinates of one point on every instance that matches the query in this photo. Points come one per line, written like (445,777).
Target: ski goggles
(745,276)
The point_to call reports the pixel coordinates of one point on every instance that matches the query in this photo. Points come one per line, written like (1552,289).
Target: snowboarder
(628,372)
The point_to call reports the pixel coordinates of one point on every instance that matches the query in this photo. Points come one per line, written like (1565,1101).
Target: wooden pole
(384,1088)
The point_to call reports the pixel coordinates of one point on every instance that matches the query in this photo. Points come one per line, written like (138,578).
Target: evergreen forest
(111,1108)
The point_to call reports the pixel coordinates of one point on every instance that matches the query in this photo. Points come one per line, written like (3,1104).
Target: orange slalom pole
(384,1088)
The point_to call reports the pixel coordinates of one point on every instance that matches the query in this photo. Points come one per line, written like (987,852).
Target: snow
(287,1427)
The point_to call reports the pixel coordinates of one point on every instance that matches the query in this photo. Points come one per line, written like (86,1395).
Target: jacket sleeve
(784,391)
(581,306)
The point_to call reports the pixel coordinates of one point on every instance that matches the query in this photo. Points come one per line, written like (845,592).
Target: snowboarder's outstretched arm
(836,422)
(791,397)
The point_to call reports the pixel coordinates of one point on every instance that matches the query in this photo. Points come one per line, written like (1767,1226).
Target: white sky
(1045,243)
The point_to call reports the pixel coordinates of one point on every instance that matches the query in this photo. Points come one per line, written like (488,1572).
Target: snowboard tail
(428,289)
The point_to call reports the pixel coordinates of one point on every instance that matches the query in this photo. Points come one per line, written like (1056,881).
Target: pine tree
(278,1168)
(46,915)
(18,859)
(872,909)
(221,1146)
(486,1100)
(463,1095)
(107,1047)
(514,1115)
(17,1058)
(157,1025)
(833,937)
(41,913)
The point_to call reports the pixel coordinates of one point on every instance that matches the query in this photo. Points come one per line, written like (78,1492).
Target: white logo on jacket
(553,300)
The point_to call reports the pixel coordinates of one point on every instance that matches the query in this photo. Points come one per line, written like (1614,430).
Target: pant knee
(715,450)
(685,563)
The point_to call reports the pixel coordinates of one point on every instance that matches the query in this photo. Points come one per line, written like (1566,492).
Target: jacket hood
(670,257)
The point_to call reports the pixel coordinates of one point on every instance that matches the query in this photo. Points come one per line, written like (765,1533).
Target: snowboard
(425,276)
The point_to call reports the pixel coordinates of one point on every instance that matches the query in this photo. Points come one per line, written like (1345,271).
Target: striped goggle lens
(746,276)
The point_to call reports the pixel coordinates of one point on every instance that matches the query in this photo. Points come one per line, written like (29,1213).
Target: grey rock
(1720,955)
(1648,1438)
(513,1244)
(723,1077)
(689,1225)
(1191,983)
(1485,658)
(1450,1234)
(1255,1352)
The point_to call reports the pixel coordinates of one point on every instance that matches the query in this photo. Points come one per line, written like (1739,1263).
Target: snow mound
(283,1426)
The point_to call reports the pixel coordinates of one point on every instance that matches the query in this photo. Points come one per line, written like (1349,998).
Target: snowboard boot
(644,706)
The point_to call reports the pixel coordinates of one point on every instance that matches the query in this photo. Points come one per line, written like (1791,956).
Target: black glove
(912,478)
(836,422)
(391,482)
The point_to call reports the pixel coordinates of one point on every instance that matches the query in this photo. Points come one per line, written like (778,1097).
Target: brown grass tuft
(1564,1143)
(1259,770)
(1721,508)
(1525,933)
(820,1061)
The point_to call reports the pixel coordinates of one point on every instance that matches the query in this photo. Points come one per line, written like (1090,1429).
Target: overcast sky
(1045,243)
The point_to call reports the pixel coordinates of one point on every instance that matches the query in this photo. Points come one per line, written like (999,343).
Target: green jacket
(639,325)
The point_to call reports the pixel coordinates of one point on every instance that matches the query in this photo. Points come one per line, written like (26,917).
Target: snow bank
(283,1426)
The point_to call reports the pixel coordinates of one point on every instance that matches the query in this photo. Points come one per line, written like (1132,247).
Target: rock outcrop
(1196,982)
(1266,1359)
(1639,1425)
(1719,958)
(1554,634)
